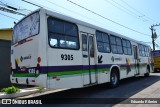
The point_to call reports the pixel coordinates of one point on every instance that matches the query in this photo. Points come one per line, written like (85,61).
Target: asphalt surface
(126,89)
(103,96)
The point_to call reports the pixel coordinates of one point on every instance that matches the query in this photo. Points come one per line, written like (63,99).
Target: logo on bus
(25,58)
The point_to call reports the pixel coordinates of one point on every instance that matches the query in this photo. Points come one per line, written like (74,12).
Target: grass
(10,90)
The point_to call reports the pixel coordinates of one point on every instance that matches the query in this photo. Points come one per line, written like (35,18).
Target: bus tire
(114,78)
(147,73)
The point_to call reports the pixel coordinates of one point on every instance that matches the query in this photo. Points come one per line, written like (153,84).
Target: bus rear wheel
(114,78)
(147,73)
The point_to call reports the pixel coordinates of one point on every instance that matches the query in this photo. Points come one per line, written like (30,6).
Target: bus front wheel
(114,78)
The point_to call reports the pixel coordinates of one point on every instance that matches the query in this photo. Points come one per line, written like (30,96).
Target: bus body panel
(50,66)
(25,56)
(63,70)
(24,60)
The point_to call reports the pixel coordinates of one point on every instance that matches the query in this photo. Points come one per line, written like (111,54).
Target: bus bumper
(37,81)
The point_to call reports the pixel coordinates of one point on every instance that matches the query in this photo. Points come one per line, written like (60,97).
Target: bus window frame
(140,50)
(64,21)
(97,31)
(127,47)
(116,44)
(140,46)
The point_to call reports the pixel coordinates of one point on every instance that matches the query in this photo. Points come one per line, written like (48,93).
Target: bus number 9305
(66,57)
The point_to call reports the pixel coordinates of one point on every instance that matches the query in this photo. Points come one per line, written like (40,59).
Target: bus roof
(71,19)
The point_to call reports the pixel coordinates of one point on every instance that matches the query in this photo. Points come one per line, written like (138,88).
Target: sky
(131,18)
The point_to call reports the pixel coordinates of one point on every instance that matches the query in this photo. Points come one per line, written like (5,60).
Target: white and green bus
(56,51)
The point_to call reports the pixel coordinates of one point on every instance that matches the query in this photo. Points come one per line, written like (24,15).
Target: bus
(156,60)
(56,51)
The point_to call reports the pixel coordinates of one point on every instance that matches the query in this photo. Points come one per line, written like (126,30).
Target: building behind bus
(5,45)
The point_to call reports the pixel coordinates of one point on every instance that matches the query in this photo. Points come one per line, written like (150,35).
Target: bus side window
(84,42)
(84,45)
(113,44)
(127,50)
(91,46)
(103,44)
(62,34)
(135,52)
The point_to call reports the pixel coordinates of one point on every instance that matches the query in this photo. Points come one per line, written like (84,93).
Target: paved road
(99,95)
(95,95)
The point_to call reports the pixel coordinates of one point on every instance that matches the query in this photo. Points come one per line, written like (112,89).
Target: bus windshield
(26,28)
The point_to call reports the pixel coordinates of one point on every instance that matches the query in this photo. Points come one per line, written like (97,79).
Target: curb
(44,92)
(19,94)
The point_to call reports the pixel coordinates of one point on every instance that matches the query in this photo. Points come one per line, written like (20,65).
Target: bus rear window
(26,28)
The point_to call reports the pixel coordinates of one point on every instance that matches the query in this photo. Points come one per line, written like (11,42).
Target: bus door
(88,59)
(136,60)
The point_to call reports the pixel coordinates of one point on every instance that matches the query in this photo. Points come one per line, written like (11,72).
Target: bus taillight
(39,59)
(38,64)
(33,80)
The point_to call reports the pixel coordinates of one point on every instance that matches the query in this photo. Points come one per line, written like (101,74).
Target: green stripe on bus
(59,73)
(50,74)
(133,67)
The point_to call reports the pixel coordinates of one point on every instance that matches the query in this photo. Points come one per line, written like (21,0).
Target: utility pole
(154,35)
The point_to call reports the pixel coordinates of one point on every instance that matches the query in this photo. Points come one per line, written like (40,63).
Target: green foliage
(3,90)
(10,90)
(40,88)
